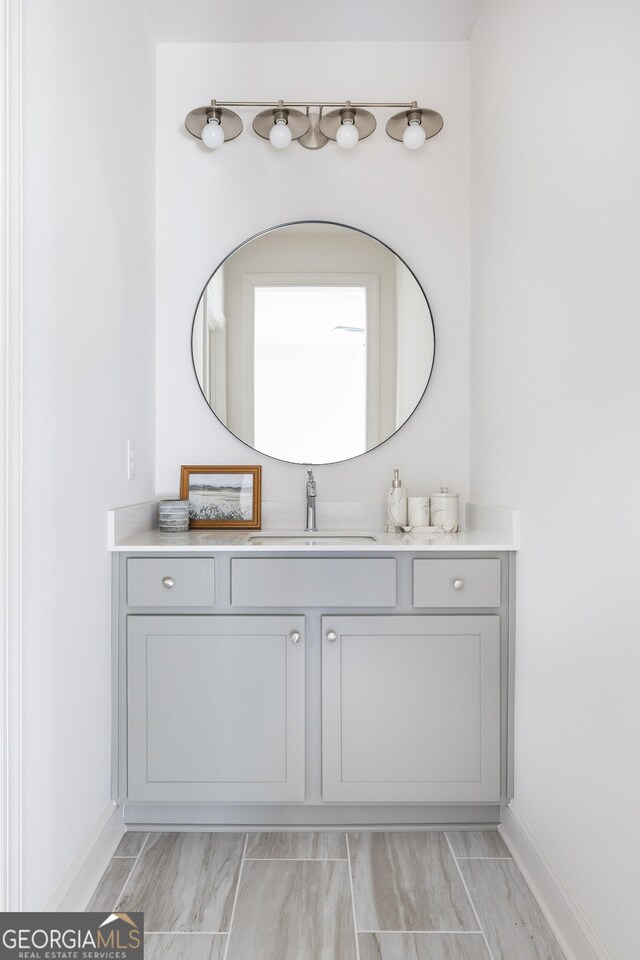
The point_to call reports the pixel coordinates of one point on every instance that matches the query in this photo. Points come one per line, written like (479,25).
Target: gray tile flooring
(185,946)
(404,895)
(407,881)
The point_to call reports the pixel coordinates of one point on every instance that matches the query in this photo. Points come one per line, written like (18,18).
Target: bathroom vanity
(268,679)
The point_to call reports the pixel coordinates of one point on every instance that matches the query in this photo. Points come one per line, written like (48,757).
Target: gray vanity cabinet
(411,708)
(297,689)
(216,708)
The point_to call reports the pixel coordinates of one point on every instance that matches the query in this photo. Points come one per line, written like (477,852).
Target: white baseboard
(572,929)
(83,875)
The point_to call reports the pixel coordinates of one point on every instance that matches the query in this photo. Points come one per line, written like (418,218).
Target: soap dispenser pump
(396,505)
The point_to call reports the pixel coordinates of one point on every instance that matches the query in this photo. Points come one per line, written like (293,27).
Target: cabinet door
(411,708)
(215,708)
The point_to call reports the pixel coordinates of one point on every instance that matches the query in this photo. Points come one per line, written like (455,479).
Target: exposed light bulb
(280,134)
(213,134)
(347,135)
(414,136)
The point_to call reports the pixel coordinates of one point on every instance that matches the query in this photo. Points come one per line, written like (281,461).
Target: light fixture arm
(348,114)
(214,113)
(414,115)
(304,104)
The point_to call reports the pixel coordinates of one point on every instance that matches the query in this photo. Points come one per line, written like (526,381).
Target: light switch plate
(131,461)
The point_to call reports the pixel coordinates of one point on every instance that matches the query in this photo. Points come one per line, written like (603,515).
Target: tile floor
(326,896)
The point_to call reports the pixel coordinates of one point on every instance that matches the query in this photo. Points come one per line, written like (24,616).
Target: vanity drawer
(306,582)
(171,582)
(456,583)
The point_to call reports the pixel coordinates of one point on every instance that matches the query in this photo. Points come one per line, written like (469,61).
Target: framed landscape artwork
(222,496)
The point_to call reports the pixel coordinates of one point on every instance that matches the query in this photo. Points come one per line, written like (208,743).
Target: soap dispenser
(396,505)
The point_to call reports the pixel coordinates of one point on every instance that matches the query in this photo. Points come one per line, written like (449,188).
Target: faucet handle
(311,484)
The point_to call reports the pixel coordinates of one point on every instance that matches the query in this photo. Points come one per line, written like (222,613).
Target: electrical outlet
(131,461)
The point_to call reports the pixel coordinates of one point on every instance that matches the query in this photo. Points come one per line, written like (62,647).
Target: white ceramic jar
(418,512)
(445,510)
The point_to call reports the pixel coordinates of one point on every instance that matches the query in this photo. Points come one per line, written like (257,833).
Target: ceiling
(248,21)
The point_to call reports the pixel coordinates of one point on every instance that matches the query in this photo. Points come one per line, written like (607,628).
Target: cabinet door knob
(458,584)
(332,636)
(168,582)
(295,636)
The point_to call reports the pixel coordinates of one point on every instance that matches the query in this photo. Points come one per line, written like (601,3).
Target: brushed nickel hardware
(458,584)
(314,138)
(168,582)
(332,636)
(311,502)
(295,636)
(282,121)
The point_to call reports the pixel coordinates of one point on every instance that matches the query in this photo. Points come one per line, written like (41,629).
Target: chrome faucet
(311,502)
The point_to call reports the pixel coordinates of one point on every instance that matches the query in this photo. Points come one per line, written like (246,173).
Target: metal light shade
(431,122)
(364,121)
(297,121)
(197,119)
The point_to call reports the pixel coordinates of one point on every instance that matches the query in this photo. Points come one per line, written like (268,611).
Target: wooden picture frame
(222,497)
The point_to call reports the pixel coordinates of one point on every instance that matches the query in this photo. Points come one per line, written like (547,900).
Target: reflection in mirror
(313,342)
(332,337)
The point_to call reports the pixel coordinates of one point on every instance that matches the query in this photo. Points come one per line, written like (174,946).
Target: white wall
(414,341)
(89,385)
(415,202)
(554,428)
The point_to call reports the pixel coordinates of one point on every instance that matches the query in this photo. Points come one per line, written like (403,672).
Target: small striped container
(173,515)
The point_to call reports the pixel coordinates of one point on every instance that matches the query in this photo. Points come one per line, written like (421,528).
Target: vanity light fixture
(281,122)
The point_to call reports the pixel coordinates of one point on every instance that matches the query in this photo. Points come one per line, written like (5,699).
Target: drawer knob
(458,584)
(295,636)
(332,636)
(168,582)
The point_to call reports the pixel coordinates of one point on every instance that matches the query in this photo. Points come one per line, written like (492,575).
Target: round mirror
(313,342)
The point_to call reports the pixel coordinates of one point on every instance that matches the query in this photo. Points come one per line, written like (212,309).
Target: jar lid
(444,492)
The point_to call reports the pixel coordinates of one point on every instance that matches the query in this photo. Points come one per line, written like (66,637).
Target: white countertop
(133,530)
(204,541)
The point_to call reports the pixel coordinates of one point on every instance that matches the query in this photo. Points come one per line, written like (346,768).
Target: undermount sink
(312,539)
